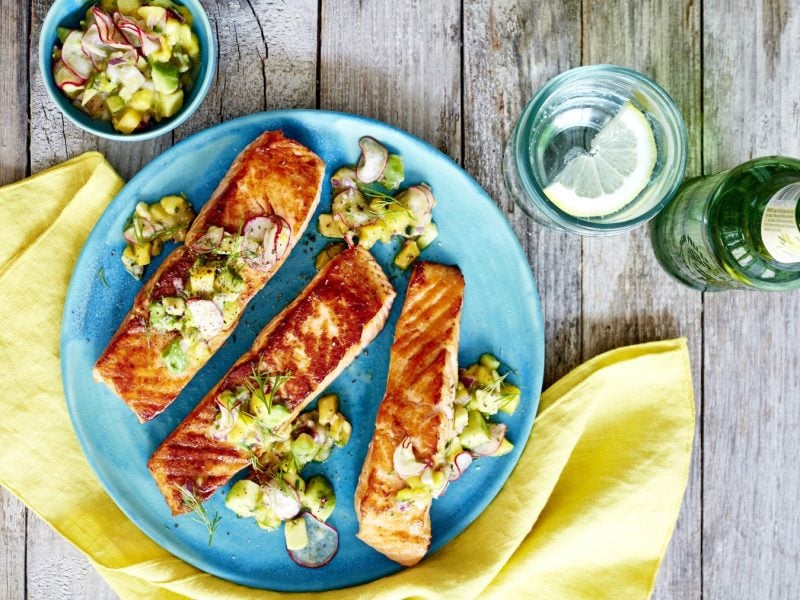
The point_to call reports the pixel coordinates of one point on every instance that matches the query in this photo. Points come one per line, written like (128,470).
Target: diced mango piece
(142,100)
(128,121)
(407,255)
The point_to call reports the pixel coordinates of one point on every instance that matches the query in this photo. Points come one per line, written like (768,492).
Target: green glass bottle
(736,229)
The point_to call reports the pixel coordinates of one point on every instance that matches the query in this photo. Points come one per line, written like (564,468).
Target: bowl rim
(208,59)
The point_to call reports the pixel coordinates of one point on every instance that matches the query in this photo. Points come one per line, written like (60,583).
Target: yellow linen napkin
(587,513)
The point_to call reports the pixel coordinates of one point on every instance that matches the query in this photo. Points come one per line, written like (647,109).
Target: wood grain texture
(626,297)
(751,524)
(399,62)
(13,166)
(510,50)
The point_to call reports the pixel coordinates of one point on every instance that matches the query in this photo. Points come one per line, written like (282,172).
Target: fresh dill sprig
(259,382)
(190,500)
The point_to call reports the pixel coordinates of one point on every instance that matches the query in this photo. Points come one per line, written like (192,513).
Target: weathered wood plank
(395,61)
(751,482)
(267,56)
(627,298)
(13,166)
(510,49)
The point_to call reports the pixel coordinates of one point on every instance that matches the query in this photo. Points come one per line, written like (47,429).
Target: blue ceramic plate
(501,314)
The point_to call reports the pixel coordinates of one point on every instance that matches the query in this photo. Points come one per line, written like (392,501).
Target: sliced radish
(137,36)
(419,200)
(276,240)
(460,464)
(72,90)
(283,500)
(323,544)
(344,179)
(497,433)
(92,45)
(210,240)
(64,75)
(351,208)
(108,33)
(206,316)
(256,227)
(373,159)
(405,463)
(74,57)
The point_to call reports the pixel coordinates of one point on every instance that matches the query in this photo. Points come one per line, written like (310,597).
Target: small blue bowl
(68,13)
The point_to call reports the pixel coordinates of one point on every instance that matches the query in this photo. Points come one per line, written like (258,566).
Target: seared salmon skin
(416,411)
(192,303)
(294,358)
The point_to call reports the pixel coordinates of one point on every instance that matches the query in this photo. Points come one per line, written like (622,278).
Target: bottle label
(779,229)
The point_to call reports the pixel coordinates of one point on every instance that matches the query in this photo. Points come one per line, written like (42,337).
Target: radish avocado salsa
(481,393)
(130,62)
(369,207)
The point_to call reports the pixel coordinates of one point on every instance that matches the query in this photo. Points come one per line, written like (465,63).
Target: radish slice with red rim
(206,316)
(277,238)
(256,227)
(323,544)
(497,433)
(373,160)
(109,34)
(92,45)
(460,464)
(64,75)
(74,57)
(419,200)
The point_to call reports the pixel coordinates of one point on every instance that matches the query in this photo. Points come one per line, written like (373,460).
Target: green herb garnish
(190,500)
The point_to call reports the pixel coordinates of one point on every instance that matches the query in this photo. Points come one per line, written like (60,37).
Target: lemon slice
(613,172)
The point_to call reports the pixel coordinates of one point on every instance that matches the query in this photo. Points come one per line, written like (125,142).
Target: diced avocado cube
(396,222)
(271,416)
(128,7)
(192,46)
(511,396)
(230,312)
(201,278)
(88,94)
(142,100)
(243,497)
(62,33)
(115,104)
(241,429)
(460,418)
(169,104)
(340,430)
(304,448)
(294,530)
(407,255)
(162,321)
(327,407)
(484,376)
(505,448)
(476,432)
(175,358)
(328,226)
(369,235)
(489,361)
(166,78)
(229,282)
(174,306)
(319,497)
(430,233)
(393,173)
(128,120)
(486,401)
(266,518)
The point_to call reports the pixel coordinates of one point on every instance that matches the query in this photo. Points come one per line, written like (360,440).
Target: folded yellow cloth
(587,513)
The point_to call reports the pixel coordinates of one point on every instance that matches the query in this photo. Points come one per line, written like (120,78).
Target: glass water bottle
(736,229)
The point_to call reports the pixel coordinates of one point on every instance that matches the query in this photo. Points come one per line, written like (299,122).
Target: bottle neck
(780,225)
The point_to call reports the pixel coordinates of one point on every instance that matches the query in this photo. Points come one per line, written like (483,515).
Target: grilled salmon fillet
(273,177)
(418,405)
(314,339)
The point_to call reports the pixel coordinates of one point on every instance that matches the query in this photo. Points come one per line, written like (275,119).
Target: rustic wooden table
(456,73)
